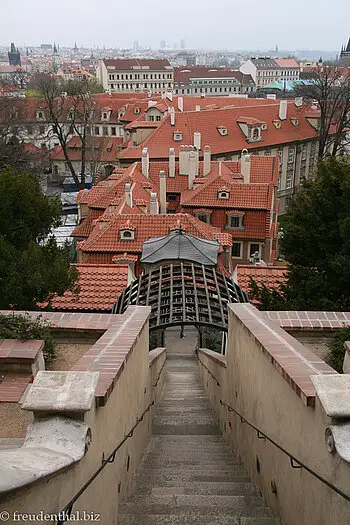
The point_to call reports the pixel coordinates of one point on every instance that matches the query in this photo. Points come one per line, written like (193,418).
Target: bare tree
(330,87)
(69,110)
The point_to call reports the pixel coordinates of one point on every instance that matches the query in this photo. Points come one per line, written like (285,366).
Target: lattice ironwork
(183,294)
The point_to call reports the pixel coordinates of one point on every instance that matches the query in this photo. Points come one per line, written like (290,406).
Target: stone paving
(188,474)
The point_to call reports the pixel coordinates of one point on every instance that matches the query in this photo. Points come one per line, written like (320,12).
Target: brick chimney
(197,140)
(171,162)
(128,194)
(283,110)
(193,168)
(145,162)
(154,207)
(162,191)
(180,103)
(172,115)
(183,160)
(245,166)
(207,160)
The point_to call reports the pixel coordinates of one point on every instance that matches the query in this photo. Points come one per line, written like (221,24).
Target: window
(280,154)
(235,221)
(41,129)
(254,247)
(255,135)
(222,130)
(289,180)
(113,131)
(158,117)
(127,235)
(178,136)
(97,130)
(204,217)
(291,155)
(236,251)
(223,194)
(105,131)
(151,118)
(171,197)
(279,183)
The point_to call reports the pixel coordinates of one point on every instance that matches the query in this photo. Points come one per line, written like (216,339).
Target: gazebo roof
(180,246)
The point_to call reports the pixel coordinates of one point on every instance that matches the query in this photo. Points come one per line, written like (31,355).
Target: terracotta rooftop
(271,276)
(99,287)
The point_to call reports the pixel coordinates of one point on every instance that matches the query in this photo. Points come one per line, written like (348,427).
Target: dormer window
(71,114)
(127,235)
(223,194)
(137,111)
(255,134)
(294,121)
(277,123)
(222,130)
(235,221)
(40,115)
(263,127)
(177,136)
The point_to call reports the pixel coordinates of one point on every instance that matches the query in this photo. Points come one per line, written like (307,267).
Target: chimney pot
(145,162)
(172,162)
(283,110)
(207,160)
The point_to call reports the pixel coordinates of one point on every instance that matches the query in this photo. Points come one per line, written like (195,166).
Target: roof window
(127,235)
(222,130)
(177,136)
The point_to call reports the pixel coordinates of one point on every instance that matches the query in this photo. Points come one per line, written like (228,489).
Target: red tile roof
(106,236)
(271,276)
(207,122)
(99,288)
(103,149)
(136,64)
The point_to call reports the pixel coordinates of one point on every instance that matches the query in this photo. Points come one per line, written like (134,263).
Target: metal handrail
(295,462)
(67,510)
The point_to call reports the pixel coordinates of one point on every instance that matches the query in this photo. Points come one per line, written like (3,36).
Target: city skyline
(231,29)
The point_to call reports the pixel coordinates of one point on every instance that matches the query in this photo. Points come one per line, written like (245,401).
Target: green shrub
(24,328)
(335,356)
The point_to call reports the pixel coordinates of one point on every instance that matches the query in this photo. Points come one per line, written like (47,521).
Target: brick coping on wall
(292,359)
(111,351)
(305,321)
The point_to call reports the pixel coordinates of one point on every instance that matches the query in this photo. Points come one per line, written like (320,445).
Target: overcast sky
(216,24)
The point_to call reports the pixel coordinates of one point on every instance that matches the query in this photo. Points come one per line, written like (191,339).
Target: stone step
(193,519)
(161,475)
(248,506)
(224,488)
(188,429)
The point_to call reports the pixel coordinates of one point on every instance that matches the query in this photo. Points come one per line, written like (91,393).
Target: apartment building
(265,70)
(211,81)
(127,75)
(288,129)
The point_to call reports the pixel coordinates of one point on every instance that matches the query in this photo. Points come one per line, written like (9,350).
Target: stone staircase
(188,474)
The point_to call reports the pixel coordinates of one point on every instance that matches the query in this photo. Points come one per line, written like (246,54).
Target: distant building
(135,46)
(14,56)
(46,47)
(162,44)
(182,44)
(266,70)
(345,55)
(200,80)
(126,75)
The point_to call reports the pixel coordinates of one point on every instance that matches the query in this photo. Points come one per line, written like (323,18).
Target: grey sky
(218,24)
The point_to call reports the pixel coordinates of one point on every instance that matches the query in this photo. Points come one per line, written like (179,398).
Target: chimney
(172,116)
(207,161)
(154,208)
(197,140)
(128,194)
(198,108)
(162,191)
(180,103)
(169,96)
(183,160)
(171,162)
(245,166)
(283,110)
(145,162)
(193,168)
(151,103)
(298,101)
